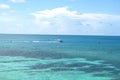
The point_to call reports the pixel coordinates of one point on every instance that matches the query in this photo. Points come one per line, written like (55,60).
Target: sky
(62,17)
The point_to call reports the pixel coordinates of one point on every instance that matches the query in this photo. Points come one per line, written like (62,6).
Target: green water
(42,57)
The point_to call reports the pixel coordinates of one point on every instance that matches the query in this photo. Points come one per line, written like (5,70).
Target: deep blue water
(42,57)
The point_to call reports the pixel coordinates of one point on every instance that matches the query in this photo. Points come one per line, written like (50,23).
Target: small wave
(28,41)
(31,41)
(35,41)
(20,41)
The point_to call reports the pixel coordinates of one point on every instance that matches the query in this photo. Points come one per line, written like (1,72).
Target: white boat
(59,40)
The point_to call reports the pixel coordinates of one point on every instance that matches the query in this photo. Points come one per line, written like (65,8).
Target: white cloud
(62,20)
(4,6)
(4,14)
(4,17)
(18,1)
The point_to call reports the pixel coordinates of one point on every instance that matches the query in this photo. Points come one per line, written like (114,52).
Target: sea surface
(43,57)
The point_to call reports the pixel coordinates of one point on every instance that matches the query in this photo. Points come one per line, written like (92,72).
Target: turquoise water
(42,57)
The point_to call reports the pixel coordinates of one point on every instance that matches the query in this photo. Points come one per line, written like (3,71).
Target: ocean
(43,57)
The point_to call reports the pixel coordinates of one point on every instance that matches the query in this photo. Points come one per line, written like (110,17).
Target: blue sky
(73,17)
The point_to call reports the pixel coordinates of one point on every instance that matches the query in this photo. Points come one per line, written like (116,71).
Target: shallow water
(41,57)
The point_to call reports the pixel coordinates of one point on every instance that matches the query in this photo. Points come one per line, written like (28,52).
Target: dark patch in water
(16,61)
(116,72)
(58,64)
(13,70)
(62,69)
(78,64)
(101,68)
(103,75)
(35,54)
(116,79)
(95,68)
(44,66)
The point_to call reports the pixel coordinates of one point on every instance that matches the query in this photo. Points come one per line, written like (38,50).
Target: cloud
(4,6)
(5,18)
(64,21)
(17,1)
(61,20)
(55,19)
